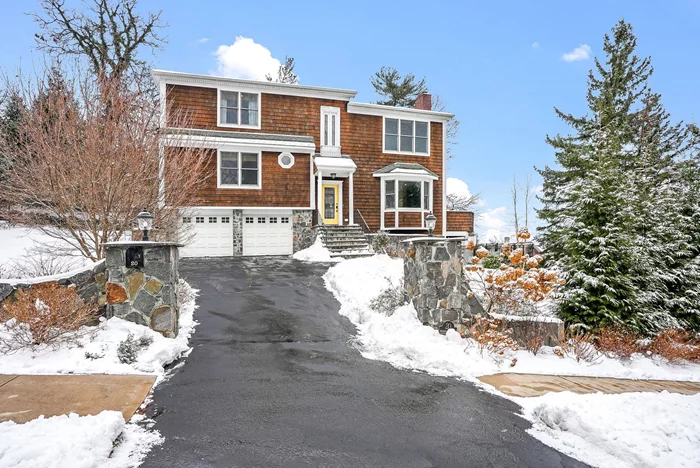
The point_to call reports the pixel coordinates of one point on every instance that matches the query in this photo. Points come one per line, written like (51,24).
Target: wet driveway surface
(274,381)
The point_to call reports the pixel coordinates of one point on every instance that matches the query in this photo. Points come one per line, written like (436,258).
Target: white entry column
(351,209)
(319,197)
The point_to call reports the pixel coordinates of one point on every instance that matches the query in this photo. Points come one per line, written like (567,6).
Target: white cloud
(535,45)
(246,59)
(202,40)
(492,224)
(582,52)
(457,187)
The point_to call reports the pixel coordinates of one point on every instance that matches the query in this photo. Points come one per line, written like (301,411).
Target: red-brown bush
(45,314)
(675,346)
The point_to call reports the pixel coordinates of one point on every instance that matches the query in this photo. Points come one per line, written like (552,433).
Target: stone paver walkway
(532,385)
(26,397)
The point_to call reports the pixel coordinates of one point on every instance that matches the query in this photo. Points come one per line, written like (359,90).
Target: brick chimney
(424,102)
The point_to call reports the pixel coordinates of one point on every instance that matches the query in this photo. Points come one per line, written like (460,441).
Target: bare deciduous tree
(90,160)
(452,128)
(109,33)
(460,202)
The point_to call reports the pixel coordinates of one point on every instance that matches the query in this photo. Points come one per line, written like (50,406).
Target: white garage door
(267,232)
(211,234)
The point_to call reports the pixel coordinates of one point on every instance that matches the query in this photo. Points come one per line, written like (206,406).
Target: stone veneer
(145,295)
(237,223)
(302,230)
(434,280)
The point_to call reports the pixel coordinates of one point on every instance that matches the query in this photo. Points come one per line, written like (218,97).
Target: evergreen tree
(398,91)
(588,231)
(622,211)
(10,130)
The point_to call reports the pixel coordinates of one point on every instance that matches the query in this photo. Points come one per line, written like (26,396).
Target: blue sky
(497,65)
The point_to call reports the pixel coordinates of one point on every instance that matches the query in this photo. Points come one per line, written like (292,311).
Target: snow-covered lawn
(593,428)
(73,441)
(17,243)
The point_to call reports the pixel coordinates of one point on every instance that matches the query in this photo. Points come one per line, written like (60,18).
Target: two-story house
(284,157)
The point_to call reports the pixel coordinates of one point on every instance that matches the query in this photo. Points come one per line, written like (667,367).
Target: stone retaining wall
(89,281)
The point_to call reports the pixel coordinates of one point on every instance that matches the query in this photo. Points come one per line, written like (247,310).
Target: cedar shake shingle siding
(361,138)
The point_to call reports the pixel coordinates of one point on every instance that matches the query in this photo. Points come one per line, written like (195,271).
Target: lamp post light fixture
(145,220)
(430,223)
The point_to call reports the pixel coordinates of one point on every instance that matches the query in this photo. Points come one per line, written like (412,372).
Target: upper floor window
(237,109)
(406,136)
(239,170)
(330,131)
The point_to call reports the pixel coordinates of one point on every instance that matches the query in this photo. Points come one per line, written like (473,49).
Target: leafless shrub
(675,346)
(41,261)
(389,300)
(45,314)
(618,343)
(493,337)
(579,344)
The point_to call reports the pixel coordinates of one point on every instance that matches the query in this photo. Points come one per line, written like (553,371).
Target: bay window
(406,136)
(407,194)
(239,109)
(238,169)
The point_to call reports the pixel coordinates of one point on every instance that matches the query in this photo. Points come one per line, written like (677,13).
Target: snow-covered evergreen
(621,208)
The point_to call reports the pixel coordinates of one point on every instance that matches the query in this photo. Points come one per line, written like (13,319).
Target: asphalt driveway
(274,381)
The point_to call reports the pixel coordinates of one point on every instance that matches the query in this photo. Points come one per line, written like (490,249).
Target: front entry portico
(329,189)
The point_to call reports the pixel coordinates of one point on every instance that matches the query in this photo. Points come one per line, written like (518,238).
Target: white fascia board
(196,141)
(406,175)
(208,81)
(397,112)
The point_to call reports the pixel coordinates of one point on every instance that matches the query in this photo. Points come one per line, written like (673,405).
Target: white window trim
(396,210)
(330,150)
(412,153)
(237,90)
(283,154)
(237,187)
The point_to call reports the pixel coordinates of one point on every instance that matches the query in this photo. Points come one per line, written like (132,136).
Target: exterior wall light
(430,223)
(145,220)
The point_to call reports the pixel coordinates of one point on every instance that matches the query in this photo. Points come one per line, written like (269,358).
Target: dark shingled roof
(399,165)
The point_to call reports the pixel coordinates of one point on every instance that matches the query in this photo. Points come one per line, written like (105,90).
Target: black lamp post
(430,223)
(145,220)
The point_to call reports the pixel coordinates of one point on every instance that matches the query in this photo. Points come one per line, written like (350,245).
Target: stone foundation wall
(434,281)
(145,295)
(304,234)
(89,281)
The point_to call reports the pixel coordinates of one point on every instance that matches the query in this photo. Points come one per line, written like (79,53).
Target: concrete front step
(351,254)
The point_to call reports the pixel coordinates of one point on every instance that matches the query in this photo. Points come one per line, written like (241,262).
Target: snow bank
(316,253)
(74,441)
(102,345)
(402,340)
(629,430)
(57,277)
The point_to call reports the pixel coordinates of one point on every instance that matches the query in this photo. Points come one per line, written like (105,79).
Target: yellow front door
(330,204)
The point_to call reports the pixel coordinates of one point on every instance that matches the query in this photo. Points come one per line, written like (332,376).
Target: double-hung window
(239,109)
(239,169)
(406,136)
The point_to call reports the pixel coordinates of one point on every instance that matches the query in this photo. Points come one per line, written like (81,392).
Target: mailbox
(134,257)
